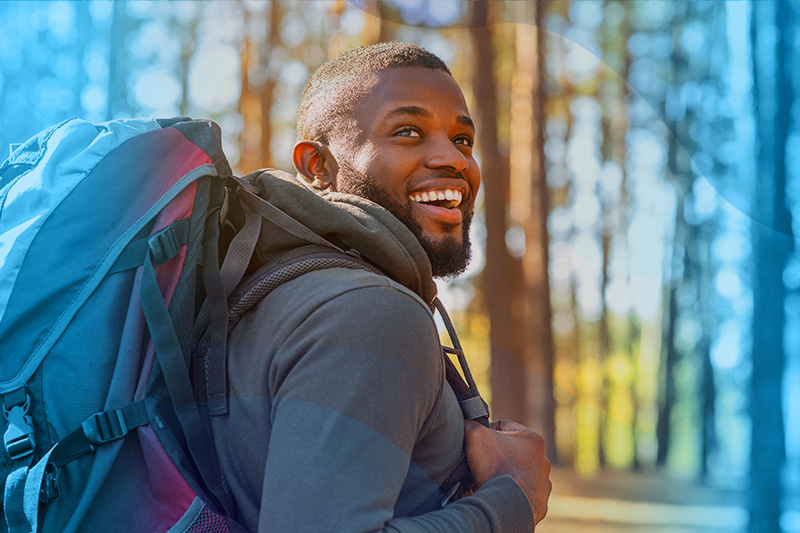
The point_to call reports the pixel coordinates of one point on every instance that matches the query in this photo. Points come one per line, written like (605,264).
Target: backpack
(120,246)
(101,231)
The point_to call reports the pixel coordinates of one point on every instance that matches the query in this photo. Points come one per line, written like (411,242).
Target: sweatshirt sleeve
(354,385)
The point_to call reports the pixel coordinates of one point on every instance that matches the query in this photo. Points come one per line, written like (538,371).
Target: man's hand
(510,449)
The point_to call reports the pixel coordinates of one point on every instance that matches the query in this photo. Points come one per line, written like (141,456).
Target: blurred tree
(376,27)
(623,402)
(249,105)
(261,40)
(117,103)
(529,209)
(558,127)
(337,39)
(188,38)
(680,175)
(772,34)
(266,47)
(503,285)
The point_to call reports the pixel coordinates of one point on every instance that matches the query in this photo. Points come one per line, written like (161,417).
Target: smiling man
(341,417)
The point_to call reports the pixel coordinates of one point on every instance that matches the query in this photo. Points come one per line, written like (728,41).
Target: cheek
(364,158)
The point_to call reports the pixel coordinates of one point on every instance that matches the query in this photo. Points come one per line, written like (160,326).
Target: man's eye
(408,133)
(466,141)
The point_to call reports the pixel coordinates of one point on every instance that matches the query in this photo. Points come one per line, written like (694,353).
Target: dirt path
(627,502)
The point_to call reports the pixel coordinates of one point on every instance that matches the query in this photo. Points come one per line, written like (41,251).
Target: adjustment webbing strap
(99,428)
(219,286)
(169,240)
(176,374)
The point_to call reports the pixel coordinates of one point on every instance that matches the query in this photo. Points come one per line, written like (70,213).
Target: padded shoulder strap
(267,282)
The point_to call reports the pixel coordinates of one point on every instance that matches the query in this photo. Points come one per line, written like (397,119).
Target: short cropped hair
(341,82)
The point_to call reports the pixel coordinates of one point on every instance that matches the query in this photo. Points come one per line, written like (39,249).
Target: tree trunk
(376,27)
(268,89)
(502,276)
(669,355)
(248,105)
(772,244)
(530,208)
(121,26)
(682,179)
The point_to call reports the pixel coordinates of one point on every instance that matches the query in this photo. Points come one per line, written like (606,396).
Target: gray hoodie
(340,417)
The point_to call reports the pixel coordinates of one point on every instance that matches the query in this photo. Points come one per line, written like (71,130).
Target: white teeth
(433,196)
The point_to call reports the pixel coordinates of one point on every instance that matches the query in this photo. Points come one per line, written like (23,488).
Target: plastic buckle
(105,427)
(164,245)
(19,437)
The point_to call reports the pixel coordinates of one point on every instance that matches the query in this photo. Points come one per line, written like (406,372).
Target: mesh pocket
(208,522)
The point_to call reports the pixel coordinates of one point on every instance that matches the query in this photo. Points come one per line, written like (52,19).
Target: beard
(449,257)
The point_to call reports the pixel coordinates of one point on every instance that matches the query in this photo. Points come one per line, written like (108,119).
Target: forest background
(635,289)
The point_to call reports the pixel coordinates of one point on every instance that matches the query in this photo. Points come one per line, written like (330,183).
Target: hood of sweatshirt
(351,222)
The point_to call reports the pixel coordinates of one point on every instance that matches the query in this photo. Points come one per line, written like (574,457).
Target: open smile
(442,204)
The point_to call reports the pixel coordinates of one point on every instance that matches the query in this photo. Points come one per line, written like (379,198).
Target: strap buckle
(105,427)
(19,436)
(164,245)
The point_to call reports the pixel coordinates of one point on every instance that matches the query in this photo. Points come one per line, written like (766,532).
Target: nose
(444,155)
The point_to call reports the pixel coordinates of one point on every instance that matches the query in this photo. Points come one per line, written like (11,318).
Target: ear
(315,163)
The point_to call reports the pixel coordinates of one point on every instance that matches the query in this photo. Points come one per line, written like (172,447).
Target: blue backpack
(101,231)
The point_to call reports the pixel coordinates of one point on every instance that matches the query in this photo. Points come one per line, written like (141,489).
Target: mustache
(440,175)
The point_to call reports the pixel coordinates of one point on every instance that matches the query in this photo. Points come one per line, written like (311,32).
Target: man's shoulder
(344,315)
(341,299)
(327,286)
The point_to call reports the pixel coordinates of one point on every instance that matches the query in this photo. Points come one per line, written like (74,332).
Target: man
(340,416)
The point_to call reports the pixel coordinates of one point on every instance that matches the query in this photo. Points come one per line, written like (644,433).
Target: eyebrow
(416,111)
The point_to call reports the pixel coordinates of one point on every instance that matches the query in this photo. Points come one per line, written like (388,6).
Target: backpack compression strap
(26,488)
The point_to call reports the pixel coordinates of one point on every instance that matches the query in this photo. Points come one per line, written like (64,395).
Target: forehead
(435,91)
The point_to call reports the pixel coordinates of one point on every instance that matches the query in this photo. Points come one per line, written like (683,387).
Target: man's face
(413,156)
